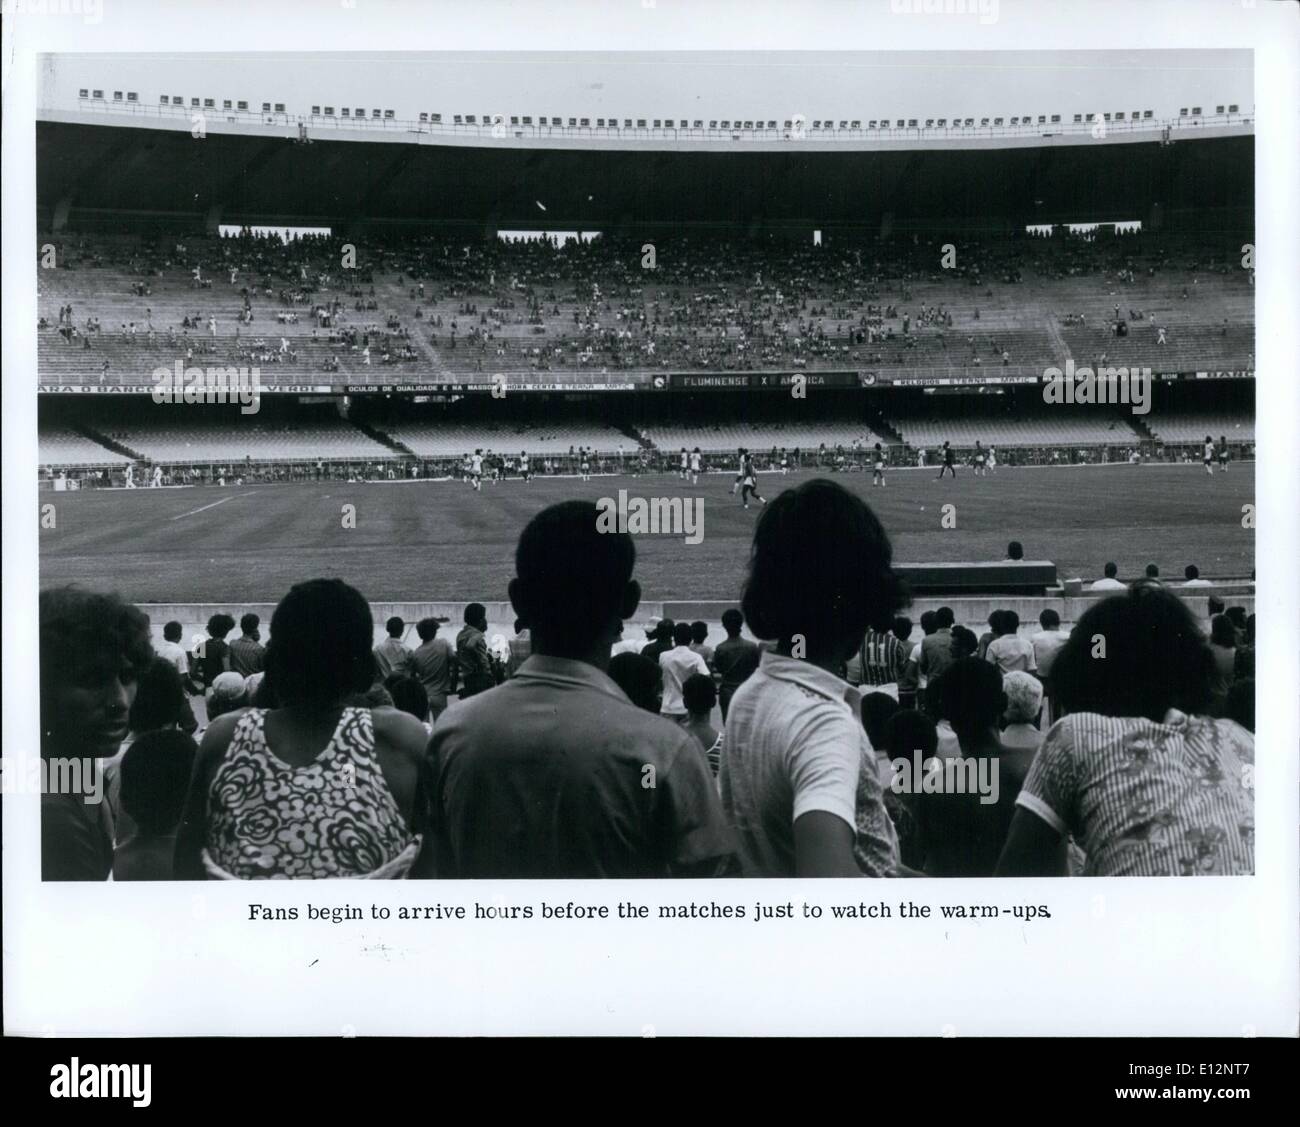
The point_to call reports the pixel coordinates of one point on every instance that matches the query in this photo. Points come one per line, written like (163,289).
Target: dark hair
(474,613)
(1049,619)
(219,625)
(426,628)
(699,632)
(1154,658)
(1010,622)
(909,730)
(408,695)
(902,627)
(1222,631)
(665,630)
(320,647)
(1110,570)
(969,695)
(997,622)
(1250,630)
(249,622)
(159,697)
(964,642)
(571,578)
(639,677)
(732,621)
(86,638)
(1153,572)
(877,708)
(682,634)
(395,626)
(1191,571)
(1237,616)
(1240,705)
(699,694)
(172,631)
(927,622)
(1015,550)
(1214,605)
(944,618)
(520,626)
(820,567)
(155,779)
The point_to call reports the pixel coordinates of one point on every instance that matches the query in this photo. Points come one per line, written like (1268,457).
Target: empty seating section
(421,308)
(441,440)
(61,446)
(1194,428)
(1046,430)
(232,442)
(728,437)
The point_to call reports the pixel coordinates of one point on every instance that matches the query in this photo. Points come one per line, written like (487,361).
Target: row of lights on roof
(641,123)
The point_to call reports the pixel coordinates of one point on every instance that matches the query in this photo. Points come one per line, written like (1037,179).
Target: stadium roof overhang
(272,176)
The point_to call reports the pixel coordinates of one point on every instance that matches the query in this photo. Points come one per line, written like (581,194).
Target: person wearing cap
(228,693)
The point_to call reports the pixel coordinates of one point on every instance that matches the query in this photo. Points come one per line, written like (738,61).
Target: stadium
(617,290)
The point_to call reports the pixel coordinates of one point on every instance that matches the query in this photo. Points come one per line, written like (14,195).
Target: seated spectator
(1237,616)
(545,777)
(963,826)
(392,655)
(964,643)
(700,642)
(92,648)
(1223,645)
(1152,572)
(1008,650)
(160,702)
(408,695)
(1137,772)
(155,778)
(678,664)
(909,736)
(734,659)
(700,696)
(1240,705)
(212,655)
(1024,693)
(1192,577)
(799,780)
(1015,552)
(641,680)
(228,693)
(247,655)
(313,770)
(1110,582)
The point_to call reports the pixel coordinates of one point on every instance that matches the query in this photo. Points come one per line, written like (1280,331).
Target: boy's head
(156,778)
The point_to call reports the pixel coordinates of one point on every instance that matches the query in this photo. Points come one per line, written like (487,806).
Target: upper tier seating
(62,446)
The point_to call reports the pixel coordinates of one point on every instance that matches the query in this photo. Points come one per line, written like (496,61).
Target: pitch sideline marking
(204,508)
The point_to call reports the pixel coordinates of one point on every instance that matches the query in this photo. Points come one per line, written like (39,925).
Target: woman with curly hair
(316,786)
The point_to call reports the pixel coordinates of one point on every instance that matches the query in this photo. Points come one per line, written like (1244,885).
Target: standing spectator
(662,641)
(1047,644)
(1137,772)
(92,649)
(678,664)
(229,693)
(700,642)
(908,734)
(545,776)
(408,696)
(171,649)
(392,656)
(155,777)
(1024,693)
(799,779)
(641,679)
(472,657)
(936,648)
(435,666)
(909,676)
(700,695)
(212,655)
(313,788)
(247,655)
(1008,650)
(883,658)
(734,659)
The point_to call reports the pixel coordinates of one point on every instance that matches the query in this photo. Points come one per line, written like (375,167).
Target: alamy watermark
(38,775)
(986,10)
(659,516)
(937,775)
(180,384)
(1104,386)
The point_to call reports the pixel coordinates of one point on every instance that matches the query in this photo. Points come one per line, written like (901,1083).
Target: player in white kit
(878,465)
(1209,455)
(685,463)
(525,468)
(157,476)
(476,471)
(695,466)
(993,458)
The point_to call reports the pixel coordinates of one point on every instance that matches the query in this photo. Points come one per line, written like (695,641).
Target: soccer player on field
(878,466)
(949,462)
(749,481)
(685,463)
(585,466)
(1209,455)
(980,458)
(993,458)
(476,471)
(740,470)
(785,462)
(525,469)
(695,466)
(1223,453)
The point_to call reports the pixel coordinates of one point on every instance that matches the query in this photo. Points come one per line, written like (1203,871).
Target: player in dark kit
(949,462)
(749,480)
(1223,453)
(878,465)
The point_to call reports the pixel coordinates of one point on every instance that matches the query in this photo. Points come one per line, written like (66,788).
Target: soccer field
(439,540)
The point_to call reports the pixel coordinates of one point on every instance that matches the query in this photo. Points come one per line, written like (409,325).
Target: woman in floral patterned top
(1145,781)
(315,787)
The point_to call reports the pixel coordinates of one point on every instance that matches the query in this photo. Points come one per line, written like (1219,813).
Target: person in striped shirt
(1146,782)
(883,658)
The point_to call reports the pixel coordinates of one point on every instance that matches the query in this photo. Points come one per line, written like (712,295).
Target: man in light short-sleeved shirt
(794,744)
